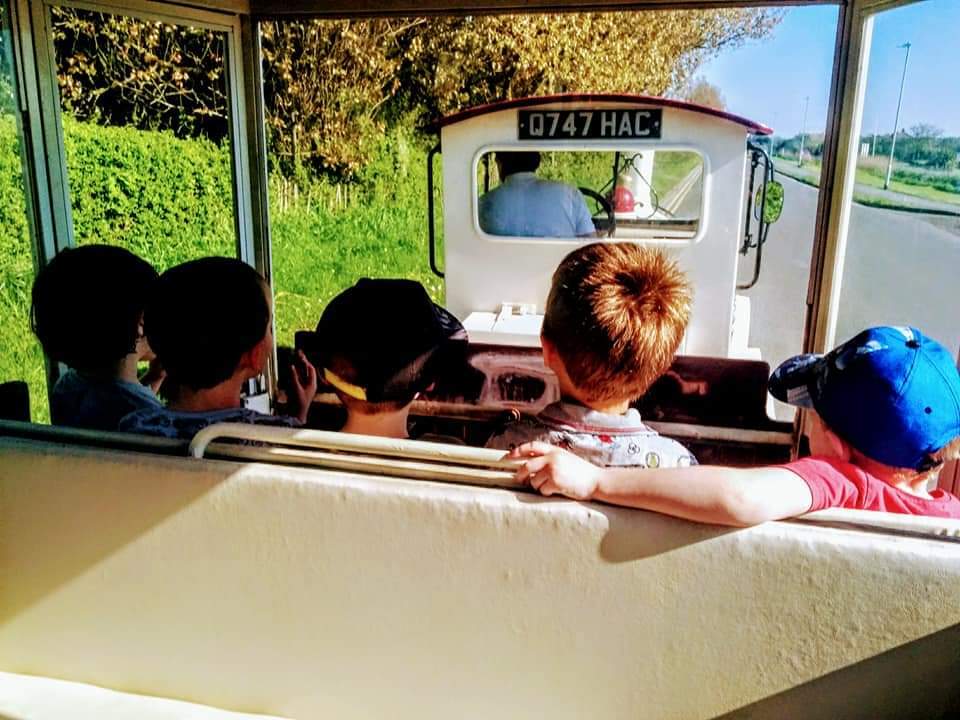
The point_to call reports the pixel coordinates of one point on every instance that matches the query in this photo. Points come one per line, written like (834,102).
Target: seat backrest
(310,593)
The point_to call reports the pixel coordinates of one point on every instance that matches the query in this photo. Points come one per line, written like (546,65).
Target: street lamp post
(896,121)
(803,132)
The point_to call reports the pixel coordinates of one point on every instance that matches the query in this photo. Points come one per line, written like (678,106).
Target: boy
(885,410)
(87,312)
(380,343)
(209,322)
(614,318)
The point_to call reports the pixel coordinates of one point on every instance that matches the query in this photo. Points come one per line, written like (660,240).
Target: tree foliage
(331,86)
(466,61)
(922,146)
(326,85)
(117,70)
(704,93)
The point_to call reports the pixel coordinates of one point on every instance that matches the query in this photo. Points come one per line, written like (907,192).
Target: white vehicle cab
(658,171)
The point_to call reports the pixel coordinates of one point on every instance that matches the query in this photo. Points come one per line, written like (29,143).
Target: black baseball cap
(390,334)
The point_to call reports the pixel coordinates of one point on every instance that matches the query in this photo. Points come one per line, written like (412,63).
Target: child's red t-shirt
(835,483)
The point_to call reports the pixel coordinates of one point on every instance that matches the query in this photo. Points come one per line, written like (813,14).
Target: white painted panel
(482,272)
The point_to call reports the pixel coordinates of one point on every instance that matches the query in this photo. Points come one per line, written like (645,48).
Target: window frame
(46,172)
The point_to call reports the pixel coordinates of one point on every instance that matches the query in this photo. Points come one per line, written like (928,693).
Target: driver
(527,206)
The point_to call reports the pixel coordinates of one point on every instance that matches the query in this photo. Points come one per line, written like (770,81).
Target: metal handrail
(431,226)
(412,459)
(349,442)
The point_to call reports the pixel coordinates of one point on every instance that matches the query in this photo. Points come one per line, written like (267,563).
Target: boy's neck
(912,484)
(389,424)
(607,407)
(124,370)
(225,396)
(570,393)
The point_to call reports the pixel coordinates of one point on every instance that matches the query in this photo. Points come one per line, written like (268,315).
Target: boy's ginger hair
(616,314)
(948,453)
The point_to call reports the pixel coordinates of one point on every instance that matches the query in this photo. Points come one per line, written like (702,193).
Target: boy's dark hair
(204,315)
(518,161)
(87,304)
(616,314)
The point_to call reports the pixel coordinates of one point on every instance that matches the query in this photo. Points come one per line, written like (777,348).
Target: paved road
(899,269)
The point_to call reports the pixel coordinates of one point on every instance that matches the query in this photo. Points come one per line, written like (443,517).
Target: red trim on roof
(644,100)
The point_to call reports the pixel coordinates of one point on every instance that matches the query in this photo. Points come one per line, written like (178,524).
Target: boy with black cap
(379,344)
(885,416)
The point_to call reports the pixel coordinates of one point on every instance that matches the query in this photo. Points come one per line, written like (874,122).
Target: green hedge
(169,200)
(165,199)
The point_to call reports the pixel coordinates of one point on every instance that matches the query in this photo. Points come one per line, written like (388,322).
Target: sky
(770,80)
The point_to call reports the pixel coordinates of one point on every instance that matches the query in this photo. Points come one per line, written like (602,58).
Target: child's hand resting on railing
(554,471)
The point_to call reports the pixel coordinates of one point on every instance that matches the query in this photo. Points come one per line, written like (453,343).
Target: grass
(871,175)
(871,178)
(21,357)
(317,252)
(670,168)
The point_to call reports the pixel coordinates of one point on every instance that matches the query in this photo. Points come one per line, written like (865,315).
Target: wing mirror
(774,202)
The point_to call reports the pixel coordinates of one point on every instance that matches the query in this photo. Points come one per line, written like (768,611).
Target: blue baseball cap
(891,392)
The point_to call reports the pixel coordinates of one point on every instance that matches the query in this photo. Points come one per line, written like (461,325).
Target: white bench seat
(28,697)
(312,594)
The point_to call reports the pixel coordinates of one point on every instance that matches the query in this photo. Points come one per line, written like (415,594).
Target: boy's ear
(254,360)
(838,444)
(551,358)
(549,351)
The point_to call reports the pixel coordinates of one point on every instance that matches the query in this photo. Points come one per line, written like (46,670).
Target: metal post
(803,132)
(896,121)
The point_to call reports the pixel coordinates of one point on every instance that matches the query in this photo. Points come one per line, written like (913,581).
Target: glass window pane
(783,82)
(22,358)
(623,194)
(146,130)
(349,103)
(903,246)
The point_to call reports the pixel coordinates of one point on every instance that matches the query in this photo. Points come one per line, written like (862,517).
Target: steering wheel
(605,225)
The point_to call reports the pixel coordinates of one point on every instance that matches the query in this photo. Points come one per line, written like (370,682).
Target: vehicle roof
(644,100)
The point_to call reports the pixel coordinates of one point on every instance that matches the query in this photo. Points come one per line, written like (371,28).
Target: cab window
(624,193)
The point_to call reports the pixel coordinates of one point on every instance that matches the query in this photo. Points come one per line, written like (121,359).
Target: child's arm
(704,493)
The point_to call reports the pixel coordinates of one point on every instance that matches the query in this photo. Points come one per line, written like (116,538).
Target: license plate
(589,124)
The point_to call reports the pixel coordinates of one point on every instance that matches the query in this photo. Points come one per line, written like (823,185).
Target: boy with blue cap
(885,415)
